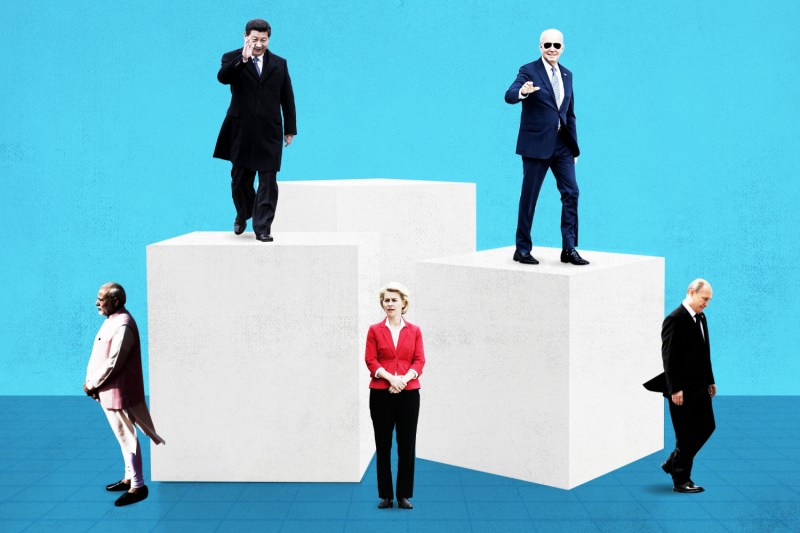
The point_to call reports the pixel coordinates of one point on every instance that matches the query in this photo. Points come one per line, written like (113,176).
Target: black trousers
(259,205)
(390,411)
(694,423)
(562,163)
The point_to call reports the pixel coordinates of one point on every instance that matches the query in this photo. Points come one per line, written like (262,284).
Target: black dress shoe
(687,488)
(403,503)
(386,503)
(571,256)
(119,486)
(666,467)
(132,497)
(264,237)
(527,259)
(238,227)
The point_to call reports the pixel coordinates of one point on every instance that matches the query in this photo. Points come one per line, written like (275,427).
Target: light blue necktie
(556,86)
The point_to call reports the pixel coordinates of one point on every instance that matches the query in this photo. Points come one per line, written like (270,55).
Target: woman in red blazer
(395,358)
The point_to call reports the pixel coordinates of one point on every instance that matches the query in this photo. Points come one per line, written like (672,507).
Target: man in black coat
(687,382)
(253,135)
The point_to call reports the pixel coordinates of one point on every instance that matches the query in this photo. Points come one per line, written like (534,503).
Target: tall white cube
(416,219)
(536,372)
(256,356)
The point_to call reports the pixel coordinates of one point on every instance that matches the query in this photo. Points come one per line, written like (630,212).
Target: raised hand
(528,88)
(247,50)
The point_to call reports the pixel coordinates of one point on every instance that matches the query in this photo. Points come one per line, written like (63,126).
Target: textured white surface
(416,219)
(256,356)
(536,372)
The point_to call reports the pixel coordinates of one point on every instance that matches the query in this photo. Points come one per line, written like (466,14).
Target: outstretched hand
(528,88)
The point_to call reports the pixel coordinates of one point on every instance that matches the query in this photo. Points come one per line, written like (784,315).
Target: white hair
(697,285)
(541,37)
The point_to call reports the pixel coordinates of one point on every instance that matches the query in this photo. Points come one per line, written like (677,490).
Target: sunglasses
(547,46)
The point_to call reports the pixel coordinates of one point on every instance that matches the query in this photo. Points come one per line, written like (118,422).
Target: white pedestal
(416,219)
(256,356)
(536,372)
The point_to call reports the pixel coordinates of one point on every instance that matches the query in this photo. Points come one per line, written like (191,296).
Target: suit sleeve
(512,94)
(121,345)
(710,372)
(670,353)
(287,105)
(418,359)
(232,64)
(571,122)
(371,353)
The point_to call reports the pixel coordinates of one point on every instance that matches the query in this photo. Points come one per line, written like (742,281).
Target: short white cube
(256,356)
(536,372)
(416,219)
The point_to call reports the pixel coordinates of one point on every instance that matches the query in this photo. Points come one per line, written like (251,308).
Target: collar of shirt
(402,324)
(686,301)
(549,69)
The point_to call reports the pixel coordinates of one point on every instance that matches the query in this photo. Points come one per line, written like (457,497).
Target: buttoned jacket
(381,353)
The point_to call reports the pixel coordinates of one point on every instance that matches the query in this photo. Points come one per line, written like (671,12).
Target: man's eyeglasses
(547,46)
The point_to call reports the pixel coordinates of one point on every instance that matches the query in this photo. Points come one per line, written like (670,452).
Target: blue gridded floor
(58,454)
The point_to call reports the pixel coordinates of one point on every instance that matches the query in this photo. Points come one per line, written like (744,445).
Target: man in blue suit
(547,139)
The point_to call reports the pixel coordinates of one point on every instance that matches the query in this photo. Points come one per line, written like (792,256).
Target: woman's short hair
(399,288)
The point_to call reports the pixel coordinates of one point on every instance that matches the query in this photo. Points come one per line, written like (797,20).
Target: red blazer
(381,352)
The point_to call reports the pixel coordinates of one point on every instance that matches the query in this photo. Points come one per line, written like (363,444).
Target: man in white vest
(114,378)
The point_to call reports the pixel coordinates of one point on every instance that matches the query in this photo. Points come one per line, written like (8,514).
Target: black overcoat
(252,132)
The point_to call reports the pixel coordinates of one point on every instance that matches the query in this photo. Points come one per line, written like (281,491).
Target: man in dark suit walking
(252,136)
(547,138)
(687,382)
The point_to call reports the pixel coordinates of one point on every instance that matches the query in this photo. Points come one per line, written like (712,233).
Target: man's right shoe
(666,467)
(526,259)
(264,237)
(238,227)
(119,486)
(386,503)
(687,488)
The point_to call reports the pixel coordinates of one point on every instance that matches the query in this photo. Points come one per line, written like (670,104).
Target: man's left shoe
(132,497)
(571,256)
(687,488)
(403,503)
(264,237)
(238,227)
(666,467)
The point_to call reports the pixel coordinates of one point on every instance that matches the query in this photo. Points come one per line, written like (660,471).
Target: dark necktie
(699,319)
(257,64)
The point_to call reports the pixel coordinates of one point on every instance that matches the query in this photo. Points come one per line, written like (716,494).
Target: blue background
(687,117)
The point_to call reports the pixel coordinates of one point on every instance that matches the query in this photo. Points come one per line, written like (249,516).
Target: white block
(416,219)
(536,372)
(256,356)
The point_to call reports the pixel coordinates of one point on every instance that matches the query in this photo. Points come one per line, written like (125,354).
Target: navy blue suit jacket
(538,125)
